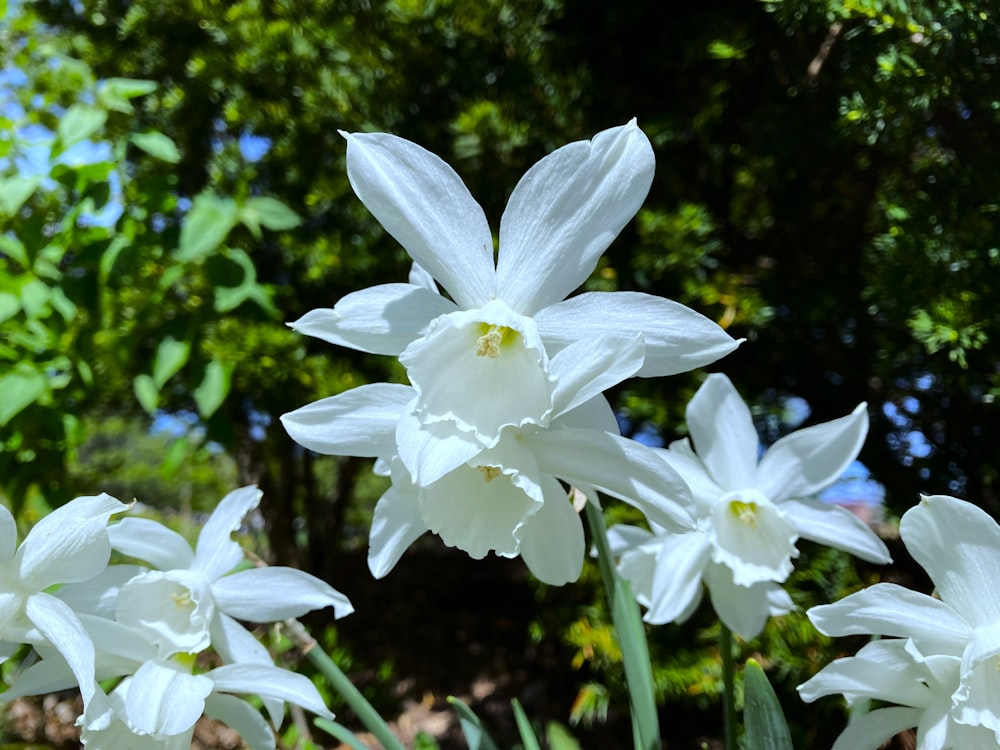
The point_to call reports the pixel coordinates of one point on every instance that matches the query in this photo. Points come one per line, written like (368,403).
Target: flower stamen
(745,512)
(489,472)
(494,337)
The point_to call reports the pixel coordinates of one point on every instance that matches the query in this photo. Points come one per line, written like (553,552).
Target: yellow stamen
(745,512)
(492,339)
(489,472)
(182,600)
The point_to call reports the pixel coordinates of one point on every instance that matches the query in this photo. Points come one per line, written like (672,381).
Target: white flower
(69,544)
(749,513)
(483,362)
(941,667)
(506,499)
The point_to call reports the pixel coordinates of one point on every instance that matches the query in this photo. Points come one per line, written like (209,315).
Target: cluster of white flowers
(146,626)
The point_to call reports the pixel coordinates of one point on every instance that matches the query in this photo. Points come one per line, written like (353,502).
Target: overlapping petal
(152,542)
(724,437)
(290,593)
(551,540)
(216,553)
(835,526)
(396,524)
(678,566)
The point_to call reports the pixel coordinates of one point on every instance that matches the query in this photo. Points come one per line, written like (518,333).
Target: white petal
(744,609)
(273,594)
(216,553)
(622,538)
(809,460)
(707,493)
(163,700)
(981,680)
(753,538)
(552,544)
(99,595)
(723,433)
(889,609)
(418,276)
(69,544)
(173,608)
(237,644)
(586,368)
(872,730)
(477,510)
(396,524)
(680,564)
(239,715)
(595,414)
(429,451)
(483,370)
(8,535)
(677,338)
(619,467)
(63,629)
(423,204)
(270,682)
(565,212)
(359,422)
(151,542)
(836,526)
(958,545)
(381,319)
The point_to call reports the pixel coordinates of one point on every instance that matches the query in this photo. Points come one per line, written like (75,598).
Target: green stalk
(728,686)
(631,637)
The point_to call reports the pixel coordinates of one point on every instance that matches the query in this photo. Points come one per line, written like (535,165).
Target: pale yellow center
(489,472)
(181,600)
(492,339)
(745,512)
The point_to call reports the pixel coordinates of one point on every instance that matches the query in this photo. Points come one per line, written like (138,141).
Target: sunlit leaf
(157,144)
(206,225)
(476,736)
(20,389)
(214,387)
(762,717)
(146,393)
(114,93)
(270,213)
(171,355)
(14,191)
(79,123)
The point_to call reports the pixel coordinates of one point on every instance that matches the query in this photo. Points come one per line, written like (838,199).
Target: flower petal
(889,609)
(424,204)
(753,537)
(809,460)
(552,544)
(270,682)
(680,562)
(63,629)
(396,524)
(8,535)
(98,596)
(680,456)
(589,367)
(565,212)
(216,553)
(163,700)
(723,433)
(359,422)
(276,593)
(151,542)
(381,319)
(239,715)
(835,526)
(958,544)
(173,608)
(677,338)
(594,414)
(622,468)
(429,451)
(872,730)
(744,609)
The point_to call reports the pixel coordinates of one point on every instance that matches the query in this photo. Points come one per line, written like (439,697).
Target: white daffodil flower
(69,544)
(750,513)
(940,665)
(481,361)
(506,499)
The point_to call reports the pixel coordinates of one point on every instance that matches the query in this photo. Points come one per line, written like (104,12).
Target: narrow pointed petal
(552,544)
(587,368)
(566,211)
(619,467)
(836,526)
(418,276)
(239,715)
(680,563)
(151,542)
(723,433)
(680,456)
(396,524)
(429,451)
(270,682)
(424,204)
(62,628)
(677,338)
(216,553)
(958,544)
(594,414)
(163,700)
(980,680)
(809,460)
(888,609)
(8,535)
(69,544)
(273,594)
(236,645)
(872,730)
(744,609)
(381,319)
(98,596)
(622,538)
(359,422)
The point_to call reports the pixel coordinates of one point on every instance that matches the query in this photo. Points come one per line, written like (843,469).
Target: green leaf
(20,389)
(10,306)
(79,123)
(269,213)
(559,737)
(14,191)
(763,720)
(174,457)
(206,225)
(114,93)
(524,727)
(230,297)
(171,355)
(342,733)
(475,734)
(158,145)
(214,387)
(110,255)
(146,393)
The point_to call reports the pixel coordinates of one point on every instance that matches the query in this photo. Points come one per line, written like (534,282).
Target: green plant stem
(631,637)
(339,682)
(728,686)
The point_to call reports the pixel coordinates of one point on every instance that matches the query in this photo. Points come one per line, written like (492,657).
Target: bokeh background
(173,190)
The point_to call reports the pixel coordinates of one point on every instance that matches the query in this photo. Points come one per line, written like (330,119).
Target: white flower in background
(482,361)
(506,499)
(69,544)
(941,665)
(750,513)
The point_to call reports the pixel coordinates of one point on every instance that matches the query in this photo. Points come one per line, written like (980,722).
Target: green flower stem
(339,682)
(631,637)
(728,686)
